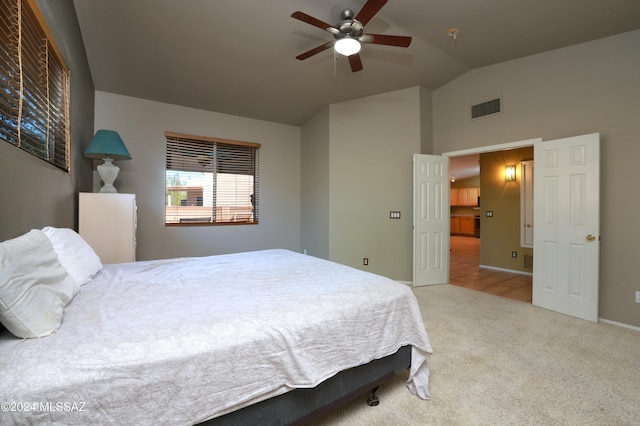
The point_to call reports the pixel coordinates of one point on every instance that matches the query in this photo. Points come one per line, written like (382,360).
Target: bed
(271,335)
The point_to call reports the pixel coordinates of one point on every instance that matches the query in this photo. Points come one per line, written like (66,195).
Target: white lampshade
(347,46)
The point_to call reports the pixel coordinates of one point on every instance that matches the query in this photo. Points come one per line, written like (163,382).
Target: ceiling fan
(349,33)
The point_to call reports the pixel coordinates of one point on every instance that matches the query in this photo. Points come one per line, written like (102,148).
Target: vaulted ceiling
(238,56)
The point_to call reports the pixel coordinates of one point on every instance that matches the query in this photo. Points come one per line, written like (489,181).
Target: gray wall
(315,195)
(365,151)
(142,124)
(33,193)
(426,121)
(587,88)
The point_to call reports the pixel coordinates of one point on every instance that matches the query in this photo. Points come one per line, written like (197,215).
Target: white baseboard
(619,324)
(513,271)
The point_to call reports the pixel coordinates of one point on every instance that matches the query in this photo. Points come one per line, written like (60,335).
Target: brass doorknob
(591,237)
(529,225)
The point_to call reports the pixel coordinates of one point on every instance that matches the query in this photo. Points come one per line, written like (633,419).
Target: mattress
(180,341)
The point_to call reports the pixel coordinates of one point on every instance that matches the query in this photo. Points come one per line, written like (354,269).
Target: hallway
(464,271)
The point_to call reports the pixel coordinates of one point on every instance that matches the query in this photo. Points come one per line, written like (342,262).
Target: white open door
(430,219)
(566,225)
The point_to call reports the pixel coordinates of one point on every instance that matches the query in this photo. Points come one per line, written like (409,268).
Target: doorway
(500,273)
(566,228)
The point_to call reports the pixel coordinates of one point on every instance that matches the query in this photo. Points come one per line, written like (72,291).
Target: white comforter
(182,340)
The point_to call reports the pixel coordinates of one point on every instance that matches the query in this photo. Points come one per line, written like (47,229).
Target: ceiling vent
(486,108)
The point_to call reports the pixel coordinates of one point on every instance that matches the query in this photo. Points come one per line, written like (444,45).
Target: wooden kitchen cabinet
(467,196)
(464,196)
(455,225)
(462,225)
(467,226)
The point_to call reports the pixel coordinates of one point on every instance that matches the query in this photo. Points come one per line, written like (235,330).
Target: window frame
(188,150)
(34,86)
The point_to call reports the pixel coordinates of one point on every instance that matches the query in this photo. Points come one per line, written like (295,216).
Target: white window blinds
(34,85)
(210,181)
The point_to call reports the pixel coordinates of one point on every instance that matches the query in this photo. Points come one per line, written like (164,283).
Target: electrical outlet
(514,254)
(489,213)
(637,296)
(365,261)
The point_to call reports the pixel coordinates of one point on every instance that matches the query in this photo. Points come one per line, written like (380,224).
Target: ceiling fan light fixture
(347,46)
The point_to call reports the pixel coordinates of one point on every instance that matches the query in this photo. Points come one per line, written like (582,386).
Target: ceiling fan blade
(388,40)
(355,62)
(301,16)
(316,50)
(369,10)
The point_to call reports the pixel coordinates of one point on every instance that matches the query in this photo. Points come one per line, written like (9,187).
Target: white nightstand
(108,222)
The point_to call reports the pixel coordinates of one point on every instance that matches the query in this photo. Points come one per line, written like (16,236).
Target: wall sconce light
(509,173)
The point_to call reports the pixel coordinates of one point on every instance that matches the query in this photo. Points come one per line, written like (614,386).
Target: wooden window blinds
(210,181)
(34,85)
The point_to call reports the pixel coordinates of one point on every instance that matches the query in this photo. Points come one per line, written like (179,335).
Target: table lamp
(108,145)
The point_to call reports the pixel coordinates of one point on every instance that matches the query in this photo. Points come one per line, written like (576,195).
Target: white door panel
(430,219)
(566,225)
(526,203)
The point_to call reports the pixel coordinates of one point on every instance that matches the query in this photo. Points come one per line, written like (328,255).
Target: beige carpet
(502,362)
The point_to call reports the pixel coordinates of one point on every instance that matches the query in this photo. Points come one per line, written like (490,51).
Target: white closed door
(567,225)
(430,219)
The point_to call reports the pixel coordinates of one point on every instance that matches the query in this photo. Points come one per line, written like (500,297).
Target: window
(34,85)
(210,181)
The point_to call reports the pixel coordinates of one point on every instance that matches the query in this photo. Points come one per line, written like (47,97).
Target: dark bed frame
(301,406)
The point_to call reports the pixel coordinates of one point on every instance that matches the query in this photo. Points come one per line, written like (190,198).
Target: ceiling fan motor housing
(349,26)
(347,15)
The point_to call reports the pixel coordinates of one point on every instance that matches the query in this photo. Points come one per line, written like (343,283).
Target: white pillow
(34,287)
(74,253)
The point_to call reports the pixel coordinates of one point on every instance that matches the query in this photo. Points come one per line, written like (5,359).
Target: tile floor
(464,270)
